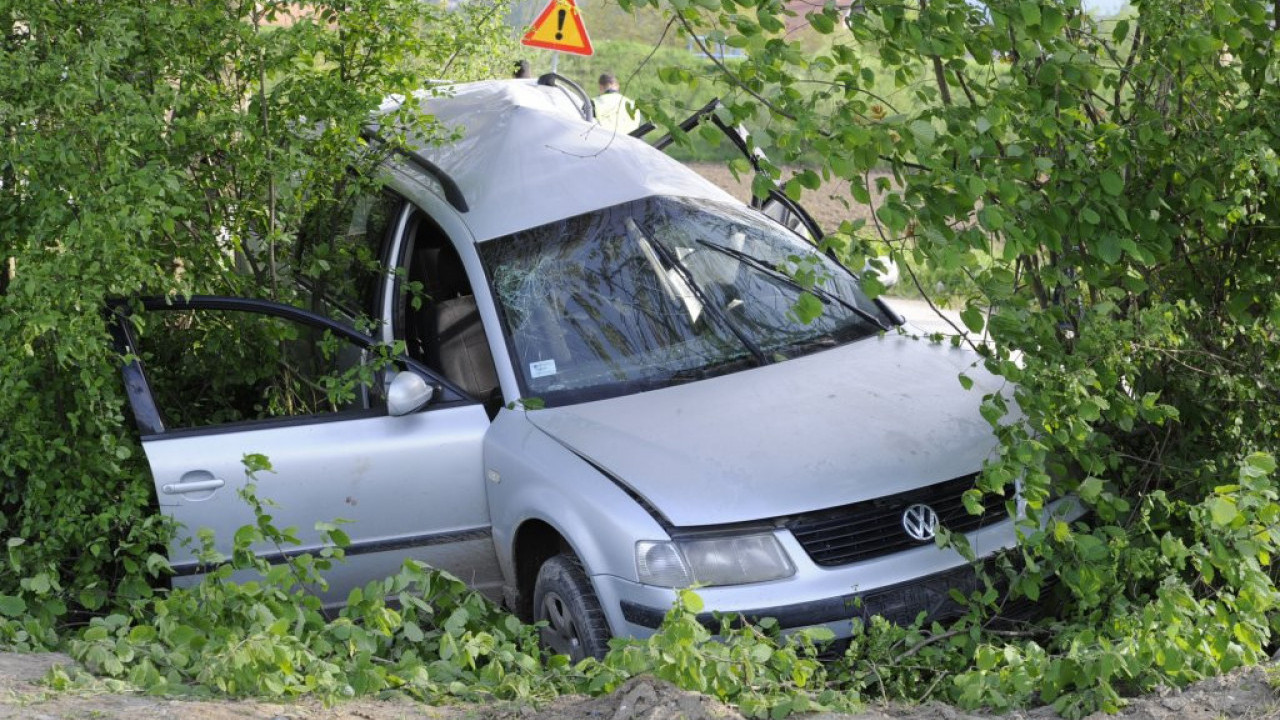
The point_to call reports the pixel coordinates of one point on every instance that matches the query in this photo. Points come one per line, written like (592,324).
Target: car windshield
(661,291)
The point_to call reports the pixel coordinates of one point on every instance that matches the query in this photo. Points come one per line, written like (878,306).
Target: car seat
(450,334)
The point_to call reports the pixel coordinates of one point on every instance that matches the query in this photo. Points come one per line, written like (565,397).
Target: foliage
(1107,194)
(268,633)
(751,666)
(254,628)
(154,147)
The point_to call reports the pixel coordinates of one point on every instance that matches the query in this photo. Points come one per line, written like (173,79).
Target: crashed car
(606,394)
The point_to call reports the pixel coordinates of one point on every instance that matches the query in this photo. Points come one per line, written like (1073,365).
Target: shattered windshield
(661,291)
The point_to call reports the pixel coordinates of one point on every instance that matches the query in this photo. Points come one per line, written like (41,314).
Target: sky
(1103,7)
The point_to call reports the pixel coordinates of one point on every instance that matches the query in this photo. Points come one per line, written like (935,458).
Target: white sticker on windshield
(542,368)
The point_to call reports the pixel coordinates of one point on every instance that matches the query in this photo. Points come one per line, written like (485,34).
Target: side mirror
(408,392)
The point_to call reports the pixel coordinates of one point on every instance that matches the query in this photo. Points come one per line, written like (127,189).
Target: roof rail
(553,79)
(452,193)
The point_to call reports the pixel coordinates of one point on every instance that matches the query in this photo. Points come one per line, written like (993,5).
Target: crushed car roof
(528,157)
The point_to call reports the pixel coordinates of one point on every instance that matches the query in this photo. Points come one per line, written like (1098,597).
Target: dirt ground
(1243,694)
(829,205)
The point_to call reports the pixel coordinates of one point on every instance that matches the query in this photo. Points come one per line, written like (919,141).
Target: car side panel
(409,486)
(533,477)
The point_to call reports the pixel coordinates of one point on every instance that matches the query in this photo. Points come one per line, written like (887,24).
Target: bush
(1119,183)
(157,148)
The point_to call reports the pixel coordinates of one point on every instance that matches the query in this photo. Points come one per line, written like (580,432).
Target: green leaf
(1030,12)
(1258,465)
(1223,511)
(892,219)
(1111,182)
(807,307)
(822,23)
(1090,490)
(690,601)
(38,584)
(1120,31)
(973,318)
(1108,249)
(991,217)
(1052,20)
(761,185)
(793,189)
(246,535)
(12,606)
(923,132)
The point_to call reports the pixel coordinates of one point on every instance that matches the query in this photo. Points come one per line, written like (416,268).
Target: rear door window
(340,258)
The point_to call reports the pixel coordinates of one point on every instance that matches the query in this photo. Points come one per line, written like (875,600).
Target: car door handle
(196,486)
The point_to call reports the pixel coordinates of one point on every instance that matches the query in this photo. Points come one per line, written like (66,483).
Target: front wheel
(564,599)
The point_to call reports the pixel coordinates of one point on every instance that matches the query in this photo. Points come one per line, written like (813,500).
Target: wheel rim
(560,634)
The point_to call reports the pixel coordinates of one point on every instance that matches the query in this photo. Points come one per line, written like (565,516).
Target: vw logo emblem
(920,522)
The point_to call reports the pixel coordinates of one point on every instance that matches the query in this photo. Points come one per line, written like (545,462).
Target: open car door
(350,431)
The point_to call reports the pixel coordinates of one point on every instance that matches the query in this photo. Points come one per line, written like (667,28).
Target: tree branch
(729,73)
(939,72)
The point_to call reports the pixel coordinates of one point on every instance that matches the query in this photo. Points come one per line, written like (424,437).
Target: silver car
(605,394)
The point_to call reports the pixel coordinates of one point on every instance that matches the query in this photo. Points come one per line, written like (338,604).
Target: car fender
(531,476)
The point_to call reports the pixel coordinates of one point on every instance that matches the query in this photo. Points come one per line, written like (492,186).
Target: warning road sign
(560,27)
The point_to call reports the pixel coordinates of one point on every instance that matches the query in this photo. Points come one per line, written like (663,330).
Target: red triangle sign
(560,27)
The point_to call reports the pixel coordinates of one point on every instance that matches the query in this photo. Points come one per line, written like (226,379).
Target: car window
(437,313)
(660,291)
(211,367)
(340,253)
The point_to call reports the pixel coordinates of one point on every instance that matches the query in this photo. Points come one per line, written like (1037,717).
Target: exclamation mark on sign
(560,16)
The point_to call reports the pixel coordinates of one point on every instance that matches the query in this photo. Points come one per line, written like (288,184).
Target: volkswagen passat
(606,393)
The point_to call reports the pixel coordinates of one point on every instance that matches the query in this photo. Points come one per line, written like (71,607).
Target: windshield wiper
(826,297)
(804,346)
(669,258)
(714,369)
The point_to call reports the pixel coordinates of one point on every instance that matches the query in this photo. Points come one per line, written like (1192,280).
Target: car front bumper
(898,587)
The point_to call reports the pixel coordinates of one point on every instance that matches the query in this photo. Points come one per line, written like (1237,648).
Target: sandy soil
(829,205)
(1243,694)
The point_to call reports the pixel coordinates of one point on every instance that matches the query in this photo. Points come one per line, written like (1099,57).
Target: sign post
(559,27)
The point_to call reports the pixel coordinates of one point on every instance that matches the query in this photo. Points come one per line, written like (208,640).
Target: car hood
(869,419)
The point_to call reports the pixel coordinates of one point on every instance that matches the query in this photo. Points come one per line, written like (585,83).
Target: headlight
(733,560)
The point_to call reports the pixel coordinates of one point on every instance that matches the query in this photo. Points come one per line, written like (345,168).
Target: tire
(564,599)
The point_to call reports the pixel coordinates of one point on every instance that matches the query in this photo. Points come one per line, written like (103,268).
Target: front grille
(873,528)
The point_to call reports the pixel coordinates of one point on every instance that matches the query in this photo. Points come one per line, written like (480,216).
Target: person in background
(522,69)
(615,111)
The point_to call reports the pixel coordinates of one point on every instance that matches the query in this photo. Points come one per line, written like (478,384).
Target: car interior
(444,331)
